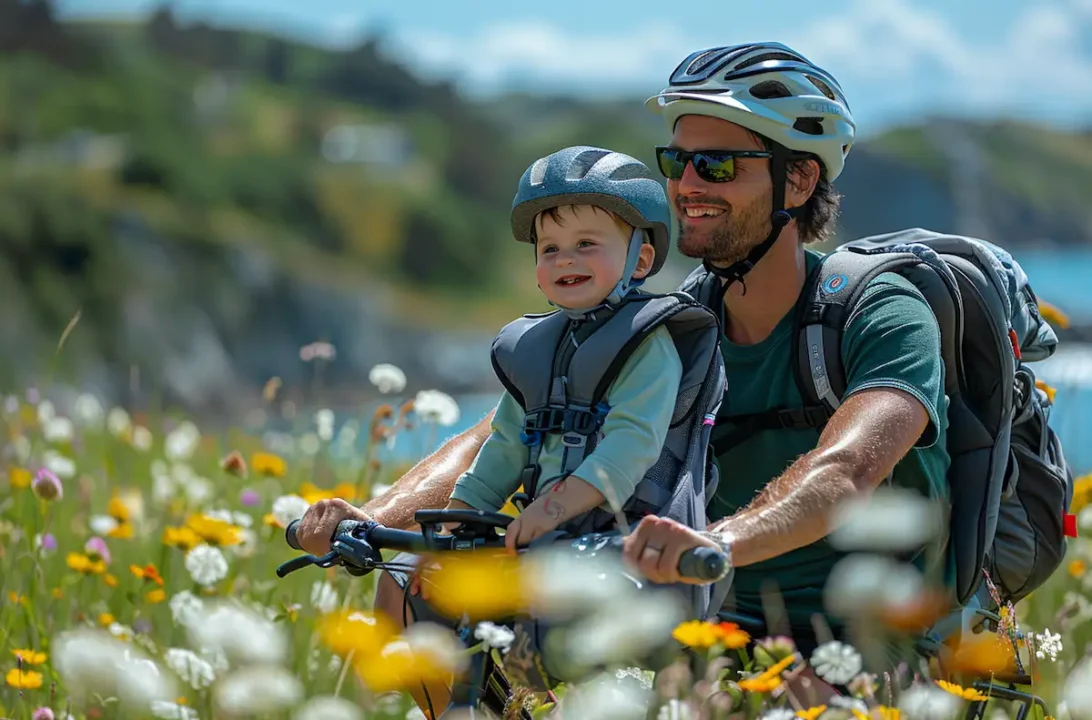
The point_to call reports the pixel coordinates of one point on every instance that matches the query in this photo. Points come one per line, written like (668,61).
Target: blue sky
(898,60)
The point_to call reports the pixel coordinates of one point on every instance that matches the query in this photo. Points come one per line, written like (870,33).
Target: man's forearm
(791,512)
(860,446)
(429,483)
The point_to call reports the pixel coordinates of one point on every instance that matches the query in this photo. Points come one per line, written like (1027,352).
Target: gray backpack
(559,370)
(1009,482)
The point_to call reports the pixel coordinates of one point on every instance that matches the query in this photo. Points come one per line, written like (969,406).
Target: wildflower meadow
(138,556)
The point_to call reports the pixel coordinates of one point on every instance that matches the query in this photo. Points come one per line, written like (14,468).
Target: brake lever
(303,561)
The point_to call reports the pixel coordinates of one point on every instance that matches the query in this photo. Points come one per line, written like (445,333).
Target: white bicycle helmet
(769,89)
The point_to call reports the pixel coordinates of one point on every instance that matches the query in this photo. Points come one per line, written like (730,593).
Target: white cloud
(544,51)
(891,56)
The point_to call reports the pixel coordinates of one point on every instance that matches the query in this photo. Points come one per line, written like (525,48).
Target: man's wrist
(723,541)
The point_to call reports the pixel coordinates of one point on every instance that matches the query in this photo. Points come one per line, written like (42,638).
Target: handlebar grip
(290,535)
(703,563)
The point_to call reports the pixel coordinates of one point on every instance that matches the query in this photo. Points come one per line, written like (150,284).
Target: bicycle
(356,546)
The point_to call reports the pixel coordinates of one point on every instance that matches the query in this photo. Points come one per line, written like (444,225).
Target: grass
(149,487)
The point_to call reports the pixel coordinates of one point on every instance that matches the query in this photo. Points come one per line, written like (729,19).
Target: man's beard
(732,238)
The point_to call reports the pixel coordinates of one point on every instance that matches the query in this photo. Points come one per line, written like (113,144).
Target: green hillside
(209,200)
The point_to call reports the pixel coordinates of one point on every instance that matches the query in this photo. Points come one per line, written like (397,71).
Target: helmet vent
(701,61)
(823,87)
(538,172)
(809,125)
(583,162)
(631,171)
(770,89)
(768,56)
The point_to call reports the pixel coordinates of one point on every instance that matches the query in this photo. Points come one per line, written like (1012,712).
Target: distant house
(385,145)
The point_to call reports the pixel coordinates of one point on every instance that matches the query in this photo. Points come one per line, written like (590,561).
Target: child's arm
(642,401)
(494,475)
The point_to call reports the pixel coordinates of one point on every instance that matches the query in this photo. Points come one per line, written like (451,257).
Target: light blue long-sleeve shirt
(641,401)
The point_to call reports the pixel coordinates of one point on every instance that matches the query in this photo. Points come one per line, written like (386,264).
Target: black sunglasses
(714,166)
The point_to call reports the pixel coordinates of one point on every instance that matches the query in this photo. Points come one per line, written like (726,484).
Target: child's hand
(567,499)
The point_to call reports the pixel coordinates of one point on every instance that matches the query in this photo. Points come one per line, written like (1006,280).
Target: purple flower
(47,486)
(250,498)
(97,546)
(48,542)
(32,396)
(42,713)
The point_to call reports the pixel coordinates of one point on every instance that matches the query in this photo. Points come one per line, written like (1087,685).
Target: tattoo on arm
(552,507)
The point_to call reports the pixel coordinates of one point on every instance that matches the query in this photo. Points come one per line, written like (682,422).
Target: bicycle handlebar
(356,545)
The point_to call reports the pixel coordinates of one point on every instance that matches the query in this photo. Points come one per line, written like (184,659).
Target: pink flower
(97,546)
(47,486)
(42,713)
(250,498)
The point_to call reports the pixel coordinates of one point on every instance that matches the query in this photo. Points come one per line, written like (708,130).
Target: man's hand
(655,546)
(318,525)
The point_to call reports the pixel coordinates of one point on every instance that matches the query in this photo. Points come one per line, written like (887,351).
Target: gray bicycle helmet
(583,175)
(773,90)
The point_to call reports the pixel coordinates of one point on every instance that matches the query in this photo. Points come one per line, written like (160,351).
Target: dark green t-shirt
(892,341)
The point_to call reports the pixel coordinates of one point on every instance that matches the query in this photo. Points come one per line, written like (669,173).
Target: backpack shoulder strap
(831,294)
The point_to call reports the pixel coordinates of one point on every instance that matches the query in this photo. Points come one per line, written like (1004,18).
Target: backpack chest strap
(732,431)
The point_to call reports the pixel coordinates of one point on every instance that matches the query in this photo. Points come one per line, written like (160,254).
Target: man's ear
(644,261)
(800,181)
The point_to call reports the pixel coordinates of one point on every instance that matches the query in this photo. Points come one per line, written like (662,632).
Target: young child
(598,221)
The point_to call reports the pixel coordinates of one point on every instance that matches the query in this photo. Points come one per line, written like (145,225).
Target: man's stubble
(732,238)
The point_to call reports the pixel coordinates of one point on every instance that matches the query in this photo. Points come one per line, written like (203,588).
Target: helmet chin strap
(778,219)
(625,284)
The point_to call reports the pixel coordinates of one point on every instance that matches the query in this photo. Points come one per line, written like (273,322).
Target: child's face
(582,257)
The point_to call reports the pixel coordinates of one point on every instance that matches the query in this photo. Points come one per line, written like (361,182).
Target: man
(759,134)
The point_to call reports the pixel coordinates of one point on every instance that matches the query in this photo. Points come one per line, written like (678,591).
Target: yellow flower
(983,655)
(960,691)
(398,667)
(483,584)
(110,580)
(760,684)
(698,634)
(268,464)
(156,596)
(1077,568)
(1053,315)
(271,520)
(19,478)
(30,657)
(888,713)
(1050,392)
(17,599)
(148,572)
(82,563)
(183,538)
(362,633)
(214,532)
(121,530)
(118,510)
(312,493)
(811,713)
(106,619)
(58,593)
(24,679)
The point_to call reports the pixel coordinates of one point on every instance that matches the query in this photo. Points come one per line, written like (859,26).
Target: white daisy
(836,662)
(387,378)
(328,707)
(494,636)
(194,671)
(206,565)
(258,690)
(929,702)
(287,508)
(434,406)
